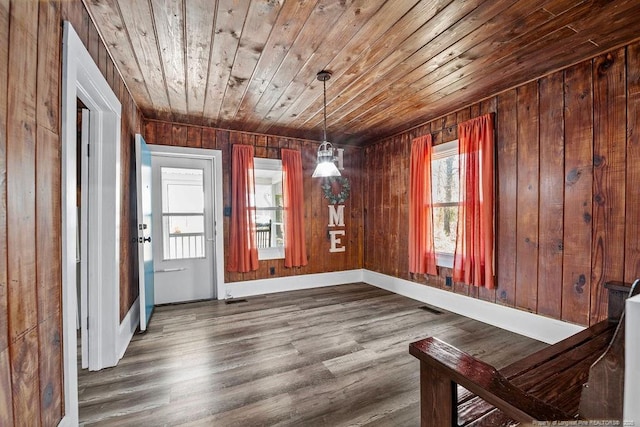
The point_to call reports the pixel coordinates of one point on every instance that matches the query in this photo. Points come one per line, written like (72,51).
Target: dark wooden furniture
(456,389)
(263,233)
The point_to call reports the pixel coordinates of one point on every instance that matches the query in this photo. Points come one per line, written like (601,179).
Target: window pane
(269,226)
(269,195)
(445,222)
(183,236)
(182,190)
(445,181)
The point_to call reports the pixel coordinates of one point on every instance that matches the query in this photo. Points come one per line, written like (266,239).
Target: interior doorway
(81,79)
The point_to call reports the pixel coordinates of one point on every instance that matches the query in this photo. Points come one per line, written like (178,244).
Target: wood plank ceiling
(251,65)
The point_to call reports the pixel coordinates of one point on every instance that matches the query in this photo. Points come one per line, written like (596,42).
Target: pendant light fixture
(326,157)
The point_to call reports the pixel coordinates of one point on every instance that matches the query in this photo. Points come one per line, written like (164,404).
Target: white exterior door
(183,229)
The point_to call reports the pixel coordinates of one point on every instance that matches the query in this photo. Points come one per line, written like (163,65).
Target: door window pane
(183,227)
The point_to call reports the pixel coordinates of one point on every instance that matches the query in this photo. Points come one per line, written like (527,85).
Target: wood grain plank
(403,214)
(366,164)
(209,138)
(358,189)
(258,25)
(48,218)
(72,12)
(93,43)
(527,197)
(397,48)
(50,370)
(21,136)
(457,21)
(632,227)
(137,16)
(48,175)
(4,326)
(179,135)
(576,263)
(48,64)
(6,397)
(199,18)
(609,152)
(111,24)
(274,51)
(25,386)
(325,15)
(551,209)
(150,132)
(308,154)
(318,342)
(169,18)
(462,61)
(228,25)
(494,61)
(378,222)
(341,43)
(194,137)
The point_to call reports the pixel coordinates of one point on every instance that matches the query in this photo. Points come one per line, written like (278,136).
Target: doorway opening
(82,80)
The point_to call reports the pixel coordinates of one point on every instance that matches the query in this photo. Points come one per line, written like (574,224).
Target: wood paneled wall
(316,206)
(30,203)
(568,210)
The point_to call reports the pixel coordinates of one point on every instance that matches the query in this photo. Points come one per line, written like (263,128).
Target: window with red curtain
(422,256)
(243,252)
(473,261)
(295,249)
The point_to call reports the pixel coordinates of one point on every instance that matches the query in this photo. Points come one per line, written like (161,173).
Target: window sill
(444,260)
(270,253)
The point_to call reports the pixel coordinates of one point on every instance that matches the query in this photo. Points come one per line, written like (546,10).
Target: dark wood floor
(323,357)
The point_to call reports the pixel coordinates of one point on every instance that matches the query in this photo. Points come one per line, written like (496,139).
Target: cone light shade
(326,165)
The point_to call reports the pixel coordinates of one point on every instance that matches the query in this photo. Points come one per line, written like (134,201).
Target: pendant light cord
(324,85)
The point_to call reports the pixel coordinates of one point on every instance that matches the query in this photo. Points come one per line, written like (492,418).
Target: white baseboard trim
(521,322)
(632,361)
(289,283)
(127,328)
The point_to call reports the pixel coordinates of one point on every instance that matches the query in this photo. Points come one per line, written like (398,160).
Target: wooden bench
(456,389)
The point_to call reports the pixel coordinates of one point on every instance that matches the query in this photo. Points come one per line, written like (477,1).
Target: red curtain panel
(473,262)
(295,249)
(422,255)
(243,252)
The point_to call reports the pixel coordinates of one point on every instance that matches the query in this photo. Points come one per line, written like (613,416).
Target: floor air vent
(235,301)
(430,309)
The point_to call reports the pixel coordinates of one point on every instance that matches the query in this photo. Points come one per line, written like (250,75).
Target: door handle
(169,270)
(145,239)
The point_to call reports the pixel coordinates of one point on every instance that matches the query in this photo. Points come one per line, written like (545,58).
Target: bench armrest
(483,380)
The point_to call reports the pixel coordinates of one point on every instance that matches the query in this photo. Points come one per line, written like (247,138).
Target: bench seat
(459,390)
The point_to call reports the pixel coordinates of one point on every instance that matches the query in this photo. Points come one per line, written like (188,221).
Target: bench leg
(438,398)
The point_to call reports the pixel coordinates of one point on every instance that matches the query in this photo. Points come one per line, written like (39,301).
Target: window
(182,213)
(269,208)
(445,187)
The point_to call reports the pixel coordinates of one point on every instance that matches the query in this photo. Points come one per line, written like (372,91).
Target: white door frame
(215,156)
(82,79)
